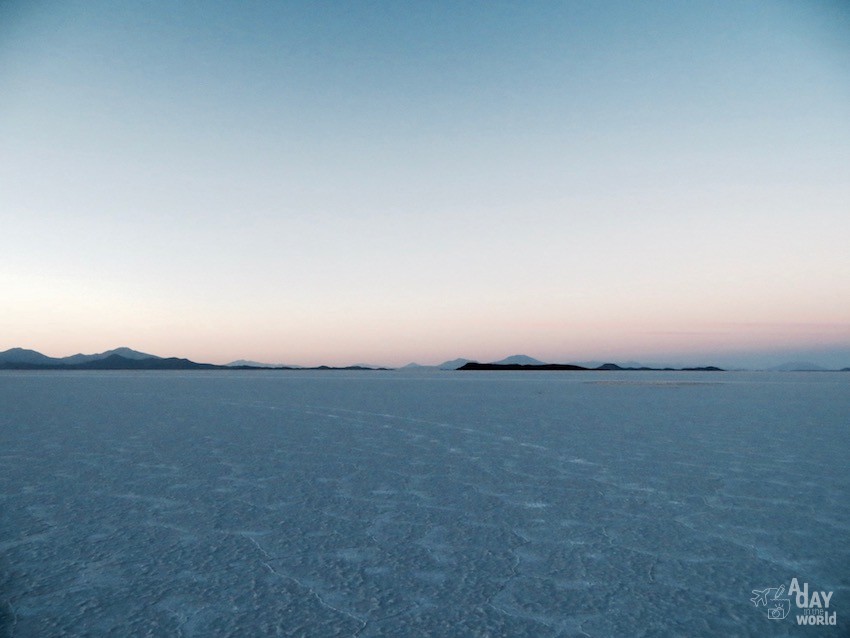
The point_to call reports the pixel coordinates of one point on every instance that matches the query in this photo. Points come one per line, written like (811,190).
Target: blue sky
(340,182)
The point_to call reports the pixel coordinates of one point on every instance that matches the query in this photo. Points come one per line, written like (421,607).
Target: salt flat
(419,504)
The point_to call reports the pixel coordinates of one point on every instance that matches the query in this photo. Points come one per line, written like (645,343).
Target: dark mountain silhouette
(31,357)
(524,362)
(565,366)
(520,366)
(625,365)
(614,366)
(243,363)
(354,367)
(124,352)
(112,362)
(119,362)
(127,359)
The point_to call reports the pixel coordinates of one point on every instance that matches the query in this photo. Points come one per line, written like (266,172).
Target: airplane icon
(760,597)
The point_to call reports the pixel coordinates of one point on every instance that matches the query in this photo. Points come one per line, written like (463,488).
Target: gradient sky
(385,182)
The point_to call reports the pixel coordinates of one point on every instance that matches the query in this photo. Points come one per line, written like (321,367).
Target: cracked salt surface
(391,504)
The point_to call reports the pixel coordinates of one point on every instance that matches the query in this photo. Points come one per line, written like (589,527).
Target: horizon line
(791,364)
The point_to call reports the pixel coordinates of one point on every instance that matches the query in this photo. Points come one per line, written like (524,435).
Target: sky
(386,182)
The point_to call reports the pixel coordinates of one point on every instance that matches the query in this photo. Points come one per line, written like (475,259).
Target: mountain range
(128,359)
(117,359)
(31,357)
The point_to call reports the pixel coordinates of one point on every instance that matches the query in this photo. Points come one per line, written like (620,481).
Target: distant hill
(520,360)
(625,365)
(454,364)
(608,366)
(119,362)
(31,357)
(21,355)
(637,366)
(257,364)
(605,367)
(126,353)
(112,362)
(520,366)
(356,366)
(797,366)
(532,363)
